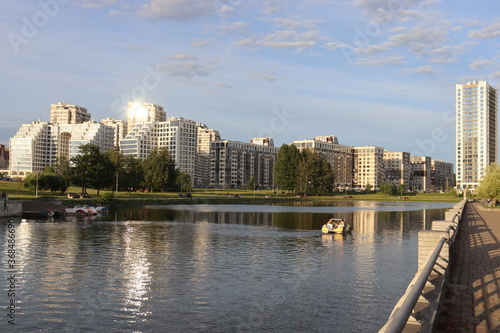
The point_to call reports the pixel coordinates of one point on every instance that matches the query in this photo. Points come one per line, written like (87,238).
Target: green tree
(489,186)
(159,169)
(92,169)
(62,168)
(252,184)
(389,189)
(46,180)
(131,173)
(286,168)
(183,181)
(315,174)
(368,187)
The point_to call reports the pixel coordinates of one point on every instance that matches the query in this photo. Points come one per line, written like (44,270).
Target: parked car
(73,195)
(85,195)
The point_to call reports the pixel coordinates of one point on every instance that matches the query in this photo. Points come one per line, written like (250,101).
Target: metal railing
(403,317)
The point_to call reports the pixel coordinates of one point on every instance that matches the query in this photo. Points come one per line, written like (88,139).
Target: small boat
(76,210)
(333,227)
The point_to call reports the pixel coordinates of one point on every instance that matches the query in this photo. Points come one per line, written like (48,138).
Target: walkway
(472,303)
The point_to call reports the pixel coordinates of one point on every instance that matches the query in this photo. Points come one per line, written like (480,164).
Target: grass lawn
(16,190)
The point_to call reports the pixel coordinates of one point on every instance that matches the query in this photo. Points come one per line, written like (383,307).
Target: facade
(420,179)
(120,128)
(340,157)
(39,144)
(441,175)
(234,163)
(179,135)
(397,168)
(205,137)
(368,167)
(476,131)
(4,157)
(64,113)
(139,113)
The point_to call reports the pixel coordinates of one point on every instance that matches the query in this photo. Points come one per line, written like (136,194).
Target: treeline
(305,172)
(111,170)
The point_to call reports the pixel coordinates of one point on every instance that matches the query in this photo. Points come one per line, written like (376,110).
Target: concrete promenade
(472,303)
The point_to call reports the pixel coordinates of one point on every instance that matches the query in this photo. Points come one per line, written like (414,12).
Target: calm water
(214,268)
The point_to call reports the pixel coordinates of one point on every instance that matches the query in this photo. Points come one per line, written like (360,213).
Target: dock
(472,300)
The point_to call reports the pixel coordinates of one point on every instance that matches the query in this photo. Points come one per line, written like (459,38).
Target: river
(212,268)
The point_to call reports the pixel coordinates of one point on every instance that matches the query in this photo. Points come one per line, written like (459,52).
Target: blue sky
(371,72)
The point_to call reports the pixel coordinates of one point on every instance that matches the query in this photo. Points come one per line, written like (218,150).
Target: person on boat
(330,224)
(342,223)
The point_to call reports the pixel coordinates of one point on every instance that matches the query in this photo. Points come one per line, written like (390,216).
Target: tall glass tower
(476,131)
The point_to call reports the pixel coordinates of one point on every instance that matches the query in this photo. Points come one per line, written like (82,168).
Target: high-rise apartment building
(4,157)
(64,113)
(205,137)
(179,135)
(120,127)
(234,163)
(476,131)
(397,168)
(139,113)
(39,144)
(339,156)
(368,167)
(420,178)
(441,175)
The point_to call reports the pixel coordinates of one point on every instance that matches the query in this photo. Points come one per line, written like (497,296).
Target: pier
(472,302)
(456,288)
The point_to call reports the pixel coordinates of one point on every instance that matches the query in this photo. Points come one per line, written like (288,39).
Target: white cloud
(264,76)
(187,67)
(480,63)
(203,42)
(94,4)
(427,70)
(176,10)
(491,30)
(381,61)
(224,85)
(296,23)
(285,39)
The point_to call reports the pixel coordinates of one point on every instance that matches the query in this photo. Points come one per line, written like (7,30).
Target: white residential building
(64,113)
(340,157)
(476,131)
(368,167)
(397,168)
(420,179)
(205,137)
(120,127)
(234,163)
(39,144)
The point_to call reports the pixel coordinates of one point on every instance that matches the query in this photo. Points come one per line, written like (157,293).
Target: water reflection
(217,268)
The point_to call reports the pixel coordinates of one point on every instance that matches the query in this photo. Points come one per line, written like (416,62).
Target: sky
(371,72)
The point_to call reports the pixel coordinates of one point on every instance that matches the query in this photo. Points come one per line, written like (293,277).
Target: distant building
(476,131)
(340,157)
(120,127)
(179,135)
(441,175)
(420,178)
(234,163)
(368,167)
(263,141)
(64,113)
(205,137)
(39,144)
(4,157)
(397,168)
(140,113)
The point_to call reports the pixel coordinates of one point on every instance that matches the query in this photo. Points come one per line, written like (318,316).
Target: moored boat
(334,227)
